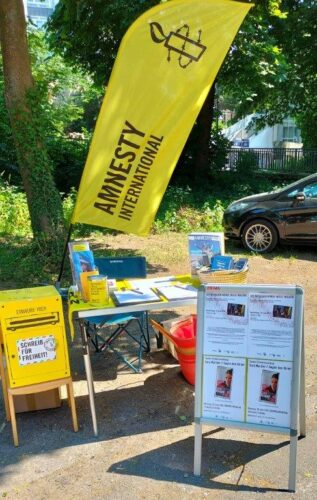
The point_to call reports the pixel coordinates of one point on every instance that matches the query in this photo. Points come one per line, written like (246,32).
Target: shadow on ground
(164,463)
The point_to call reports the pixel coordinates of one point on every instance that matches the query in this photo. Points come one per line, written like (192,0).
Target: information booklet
(81,260)
(221,263)
(202,247)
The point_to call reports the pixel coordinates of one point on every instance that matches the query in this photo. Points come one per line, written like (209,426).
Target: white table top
(144,306)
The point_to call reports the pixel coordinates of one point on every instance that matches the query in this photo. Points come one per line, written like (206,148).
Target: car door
(300,215)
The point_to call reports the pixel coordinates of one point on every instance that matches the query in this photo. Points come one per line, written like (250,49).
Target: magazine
(202,247)
(81,260)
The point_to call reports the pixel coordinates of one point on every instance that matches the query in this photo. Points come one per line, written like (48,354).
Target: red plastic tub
(183,336)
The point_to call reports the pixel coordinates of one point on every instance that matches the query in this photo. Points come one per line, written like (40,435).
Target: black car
(287,215)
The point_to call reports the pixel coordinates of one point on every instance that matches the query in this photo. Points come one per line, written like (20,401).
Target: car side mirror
(299,197)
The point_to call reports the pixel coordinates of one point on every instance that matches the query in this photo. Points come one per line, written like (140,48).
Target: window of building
(290,131)
(41,3)
(39,21)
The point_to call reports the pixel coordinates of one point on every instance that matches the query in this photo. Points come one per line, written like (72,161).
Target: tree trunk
(24,110)
(203,131)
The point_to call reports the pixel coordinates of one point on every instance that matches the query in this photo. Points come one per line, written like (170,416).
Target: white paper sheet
(267,405)
(220,400)
(124,297)
(177,291)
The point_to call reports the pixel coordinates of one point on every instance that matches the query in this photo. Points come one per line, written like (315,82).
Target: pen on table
(131,290)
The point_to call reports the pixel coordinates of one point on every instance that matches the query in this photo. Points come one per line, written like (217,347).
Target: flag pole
(58,282)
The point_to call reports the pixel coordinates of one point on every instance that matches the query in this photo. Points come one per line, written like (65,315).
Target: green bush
(183,210)
(246,163)
(14,213)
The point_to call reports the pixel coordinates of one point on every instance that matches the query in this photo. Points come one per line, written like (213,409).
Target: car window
(310,191)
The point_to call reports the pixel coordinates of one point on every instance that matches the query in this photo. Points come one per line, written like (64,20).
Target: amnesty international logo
(178,41)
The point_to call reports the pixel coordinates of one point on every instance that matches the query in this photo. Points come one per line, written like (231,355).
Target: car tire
(259,236)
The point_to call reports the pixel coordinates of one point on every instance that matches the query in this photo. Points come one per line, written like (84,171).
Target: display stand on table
(250,370)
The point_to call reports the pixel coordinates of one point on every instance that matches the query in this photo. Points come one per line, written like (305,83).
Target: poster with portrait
(269,392)
(223,390)
(248,354)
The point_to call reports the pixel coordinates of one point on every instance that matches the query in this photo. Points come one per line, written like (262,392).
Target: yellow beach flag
(166,64)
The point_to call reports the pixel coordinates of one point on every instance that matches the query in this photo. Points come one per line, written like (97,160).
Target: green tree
(88,34)
(299,42)
(258,73)
(69,103)
(272,67)
(25,115)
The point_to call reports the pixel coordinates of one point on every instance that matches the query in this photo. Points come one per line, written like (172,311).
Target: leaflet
(271,326)
(177,291)
(138,284)
(223,388)
(226,324)
(269,392)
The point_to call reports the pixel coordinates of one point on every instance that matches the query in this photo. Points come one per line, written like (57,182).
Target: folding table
(84,310)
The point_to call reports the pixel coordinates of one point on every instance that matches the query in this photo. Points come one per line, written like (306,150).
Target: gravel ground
(145,443)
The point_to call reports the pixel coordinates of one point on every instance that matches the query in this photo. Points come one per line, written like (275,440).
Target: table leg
(89,376)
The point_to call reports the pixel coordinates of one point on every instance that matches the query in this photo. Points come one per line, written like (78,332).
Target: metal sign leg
(89,376)
(302,404)
(197,452)
(292,464)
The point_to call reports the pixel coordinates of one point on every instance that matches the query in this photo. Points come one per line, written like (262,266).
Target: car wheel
(259,236)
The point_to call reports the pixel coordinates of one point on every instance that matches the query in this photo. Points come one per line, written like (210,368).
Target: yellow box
(34,336)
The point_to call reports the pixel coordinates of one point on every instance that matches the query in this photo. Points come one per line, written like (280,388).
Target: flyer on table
(223,388)
(269,392)
(226,324)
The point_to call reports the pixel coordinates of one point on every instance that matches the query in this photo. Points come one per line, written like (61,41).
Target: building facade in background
(38,11)
(281,135)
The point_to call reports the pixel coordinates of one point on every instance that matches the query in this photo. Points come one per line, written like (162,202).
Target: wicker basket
(231,276)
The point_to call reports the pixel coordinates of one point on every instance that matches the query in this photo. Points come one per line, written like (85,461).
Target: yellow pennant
(166,64)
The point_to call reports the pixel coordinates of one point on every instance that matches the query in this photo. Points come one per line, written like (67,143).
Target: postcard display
(250,362)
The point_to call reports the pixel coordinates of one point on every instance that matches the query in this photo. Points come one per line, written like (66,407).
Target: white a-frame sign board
(250,362)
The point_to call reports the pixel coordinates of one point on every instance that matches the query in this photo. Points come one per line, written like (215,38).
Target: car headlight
(236,207)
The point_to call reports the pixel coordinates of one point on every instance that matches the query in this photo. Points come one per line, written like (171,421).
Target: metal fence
(272,160)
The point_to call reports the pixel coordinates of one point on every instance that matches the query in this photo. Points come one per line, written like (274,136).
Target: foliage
(68,156)
(246,164)
(219,146)
(300,44)
(27,262)
(8,160)
(182,210)
(36,169)
(88,33)
(271,67)
(255,65)
(14,214)
(69,104)
(65,92)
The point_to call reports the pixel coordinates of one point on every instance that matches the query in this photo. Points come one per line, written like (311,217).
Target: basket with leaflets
(224,269)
